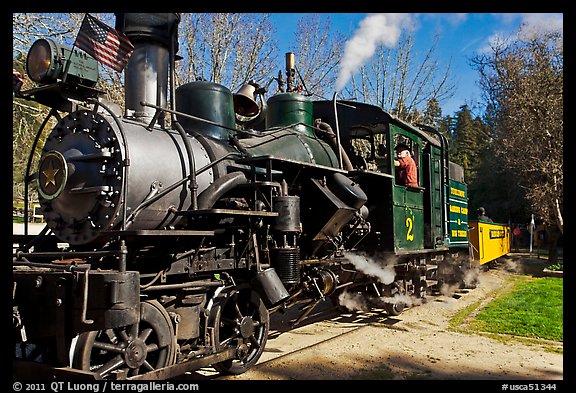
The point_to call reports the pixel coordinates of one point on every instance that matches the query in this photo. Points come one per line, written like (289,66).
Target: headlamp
(42,63)
(47,61)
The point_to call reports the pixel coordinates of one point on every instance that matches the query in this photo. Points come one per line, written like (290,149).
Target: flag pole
(65,75)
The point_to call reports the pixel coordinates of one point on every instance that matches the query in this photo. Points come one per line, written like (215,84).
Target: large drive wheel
(137,349)
(395,305)
(242,321)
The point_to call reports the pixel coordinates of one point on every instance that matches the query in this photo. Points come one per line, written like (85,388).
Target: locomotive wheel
(393,290)
(242,321)
(136,349)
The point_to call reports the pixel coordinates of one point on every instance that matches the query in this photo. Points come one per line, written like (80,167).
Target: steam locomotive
(176,229)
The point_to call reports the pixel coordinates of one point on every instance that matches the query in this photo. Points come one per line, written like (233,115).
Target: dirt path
(418,344)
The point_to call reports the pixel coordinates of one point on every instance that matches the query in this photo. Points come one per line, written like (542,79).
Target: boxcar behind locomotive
(167,247)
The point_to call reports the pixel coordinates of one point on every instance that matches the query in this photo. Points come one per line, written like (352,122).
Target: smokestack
(146,75)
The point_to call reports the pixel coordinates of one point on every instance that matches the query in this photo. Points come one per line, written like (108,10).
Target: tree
(469,139)
(317,54)
(503,199)
(523,82)
(401,80)
(228,49)
(432,113)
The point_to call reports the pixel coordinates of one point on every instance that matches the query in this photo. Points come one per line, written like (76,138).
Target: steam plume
(353,301)
(384,274)
(374,30)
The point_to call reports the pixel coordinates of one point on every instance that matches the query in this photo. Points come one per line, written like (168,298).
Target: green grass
(555,267)
(533,309)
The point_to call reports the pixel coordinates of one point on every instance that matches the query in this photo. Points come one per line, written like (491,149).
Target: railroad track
(324,324)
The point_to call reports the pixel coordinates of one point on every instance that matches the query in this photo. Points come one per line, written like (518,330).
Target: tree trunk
(553,237)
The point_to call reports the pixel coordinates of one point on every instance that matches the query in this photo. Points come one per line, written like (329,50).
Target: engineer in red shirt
(406,173)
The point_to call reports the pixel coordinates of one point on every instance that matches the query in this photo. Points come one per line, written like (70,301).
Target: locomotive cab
(403,218)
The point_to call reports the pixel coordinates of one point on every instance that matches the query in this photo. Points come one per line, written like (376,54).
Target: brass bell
(245,102)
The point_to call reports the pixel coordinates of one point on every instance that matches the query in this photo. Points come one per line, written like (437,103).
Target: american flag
(107,45)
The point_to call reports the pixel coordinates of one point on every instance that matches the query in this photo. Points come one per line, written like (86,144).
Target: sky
(462,36)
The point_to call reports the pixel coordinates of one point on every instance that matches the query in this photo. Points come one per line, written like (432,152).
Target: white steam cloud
(353,301)
(374,30)
(384,274)
(383,270)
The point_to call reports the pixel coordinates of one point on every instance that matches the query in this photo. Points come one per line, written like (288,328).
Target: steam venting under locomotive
(175,229)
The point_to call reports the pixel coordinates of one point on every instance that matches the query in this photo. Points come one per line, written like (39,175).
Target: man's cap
(401,147)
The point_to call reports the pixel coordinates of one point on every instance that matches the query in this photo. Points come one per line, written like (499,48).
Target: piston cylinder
(285,261)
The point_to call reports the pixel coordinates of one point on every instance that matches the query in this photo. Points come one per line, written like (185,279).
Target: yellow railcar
(489,240)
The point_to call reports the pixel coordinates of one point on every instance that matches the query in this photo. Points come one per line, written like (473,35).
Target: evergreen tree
(463,146)
(432,113)
(445,127)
